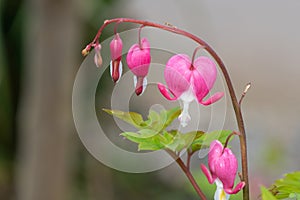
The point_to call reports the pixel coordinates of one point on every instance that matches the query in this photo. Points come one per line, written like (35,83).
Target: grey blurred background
(41,156)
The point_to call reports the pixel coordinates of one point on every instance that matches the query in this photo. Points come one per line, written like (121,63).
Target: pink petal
(116,46)
(215,151)
(207,173)
(163,90)
(138,59)
(237,188)
(207,68)
(204,76)
(217,96)
(199,86)
(226,168)
(177,74)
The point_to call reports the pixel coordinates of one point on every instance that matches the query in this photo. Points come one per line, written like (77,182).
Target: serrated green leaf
(203,140)
(220,135)
(181,141)
(147,133)
(288,186)
(155,121)
(170,115)
(132,118)
(198,140)
(151,146)
(148,139)
(266,194)
(134,137)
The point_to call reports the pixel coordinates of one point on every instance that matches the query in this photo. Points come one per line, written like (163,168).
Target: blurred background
(41,156)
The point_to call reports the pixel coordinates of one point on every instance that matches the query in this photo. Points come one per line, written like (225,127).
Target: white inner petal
(120,70)
(134,81)
(187,97)
(220,194)
(111,68)
(145,82)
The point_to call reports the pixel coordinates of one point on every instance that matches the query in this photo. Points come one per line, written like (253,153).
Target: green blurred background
(41,156)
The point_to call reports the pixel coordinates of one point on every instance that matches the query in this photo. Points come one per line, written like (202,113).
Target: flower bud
(138,60)
(98,57)
(116,66)
(222,170)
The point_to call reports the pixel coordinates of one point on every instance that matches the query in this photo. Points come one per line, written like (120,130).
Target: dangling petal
(164,91)
(140,84)
(185,117)
(217,96)
(116,70)
(207,173)
(237,188)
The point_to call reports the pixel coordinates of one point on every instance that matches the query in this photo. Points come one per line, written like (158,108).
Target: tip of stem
(248,86)
(85,52)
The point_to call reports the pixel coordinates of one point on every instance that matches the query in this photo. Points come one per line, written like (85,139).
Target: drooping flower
(189,81)
(116,66)
(98,57)
(222,171)
(138,60)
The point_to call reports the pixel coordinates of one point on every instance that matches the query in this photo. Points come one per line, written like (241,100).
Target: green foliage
(152,133)
(287,187)
(266,194)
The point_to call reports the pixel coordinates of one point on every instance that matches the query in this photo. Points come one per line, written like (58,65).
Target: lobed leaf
(287,187)
(266,194)
(132,118)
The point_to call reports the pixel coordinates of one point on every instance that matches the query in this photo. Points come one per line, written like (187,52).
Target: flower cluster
(186,80)
(138,61)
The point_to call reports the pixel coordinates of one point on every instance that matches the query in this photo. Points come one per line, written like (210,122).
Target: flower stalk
(188,173)
(235,103)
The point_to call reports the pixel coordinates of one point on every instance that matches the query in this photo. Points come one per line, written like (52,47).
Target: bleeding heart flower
(189,81)
(222,170)
(116,66)
(138,60)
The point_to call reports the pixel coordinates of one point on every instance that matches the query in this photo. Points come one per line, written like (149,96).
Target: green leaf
(147,133)
(203,140)
(288,186)
(266,194)
(182,141)
(132,118)
(170,115)
(155,121)
(149,140)
(220,135)
(198,140)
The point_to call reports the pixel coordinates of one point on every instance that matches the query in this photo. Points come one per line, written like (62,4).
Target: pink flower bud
(138,60)
(189,81)
(222,169)
(116,66)
(98,57)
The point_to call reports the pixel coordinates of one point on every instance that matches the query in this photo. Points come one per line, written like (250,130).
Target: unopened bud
(84,52)
(247,88)
(98,57)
